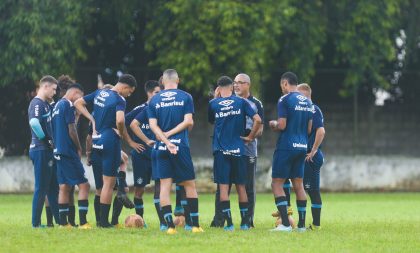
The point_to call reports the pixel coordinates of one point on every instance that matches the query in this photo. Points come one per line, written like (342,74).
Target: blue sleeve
(281,109)
(189,105)
(249,111)
(142,116)
(318,119)
(35,116)
(37,128)
(151,111)
(210,113)
(90,97)
(70,115)
(120,104)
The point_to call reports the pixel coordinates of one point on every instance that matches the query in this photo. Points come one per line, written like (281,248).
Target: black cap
(128,79)
(224,81)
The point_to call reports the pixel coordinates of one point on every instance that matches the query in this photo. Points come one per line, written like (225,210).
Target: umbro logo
(226,102)
(301,98)
(104,94)
(168,94)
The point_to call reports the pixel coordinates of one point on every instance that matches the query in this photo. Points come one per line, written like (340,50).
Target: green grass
(350,223)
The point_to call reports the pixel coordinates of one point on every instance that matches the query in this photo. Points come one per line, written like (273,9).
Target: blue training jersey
(317,122)
(63,114)
(129,117)
(106,103)
(169,108)
(143,118)
(229,118)
(298,111)
(39,116)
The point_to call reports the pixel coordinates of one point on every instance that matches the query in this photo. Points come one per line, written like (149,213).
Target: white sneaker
(282,228)
(301,230)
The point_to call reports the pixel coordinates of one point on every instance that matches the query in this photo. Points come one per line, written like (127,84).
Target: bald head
(241,85)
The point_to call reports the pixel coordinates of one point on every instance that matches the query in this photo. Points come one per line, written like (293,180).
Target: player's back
(169,108)
(63,115)
(297,109)
(228,116)
(105,106)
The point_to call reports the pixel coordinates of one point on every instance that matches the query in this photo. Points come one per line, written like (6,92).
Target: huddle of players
(161,148)
(297,154)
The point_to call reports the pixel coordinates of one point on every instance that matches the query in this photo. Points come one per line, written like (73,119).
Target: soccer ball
(291,221)
(134,221)
(179,221)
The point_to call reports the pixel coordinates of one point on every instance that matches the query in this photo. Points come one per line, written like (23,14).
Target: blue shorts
(179,167)
(311,179)
(142,168)
(97,168)
(288,164)
(229,169)
(108,146)
(70,170)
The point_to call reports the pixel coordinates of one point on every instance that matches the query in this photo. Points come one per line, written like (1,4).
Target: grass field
(350,223)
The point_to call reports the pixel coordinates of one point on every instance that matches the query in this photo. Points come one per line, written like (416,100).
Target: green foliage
(364,38)
(303,38)
(205,39)
(39,37)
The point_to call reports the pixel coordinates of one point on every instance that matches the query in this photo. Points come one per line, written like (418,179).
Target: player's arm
(256,122)
(161,136)
(88,149)
(261,114)
(135,127)
(36,126)
(80,106)
(255,128)
(188,122)
(281,122)
(75,138)
(122,131)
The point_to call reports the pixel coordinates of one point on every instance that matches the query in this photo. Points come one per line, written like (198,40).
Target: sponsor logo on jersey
(168,94)
(226,103)
(229,113)
(300,145)
(301,97)
(104,94)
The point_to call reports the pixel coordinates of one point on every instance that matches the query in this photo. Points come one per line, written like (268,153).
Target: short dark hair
(224,81)
(150,85)
(128,79)
(76,86)
(48,79)
(64,82)
(290,77)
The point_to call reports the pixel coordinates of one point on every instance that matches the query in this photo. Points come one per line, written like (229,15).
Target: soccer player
(108,121)
(314,160)
(68,152)
(142,163)
(170,118)
(41,150)
(228,114)
(294,124)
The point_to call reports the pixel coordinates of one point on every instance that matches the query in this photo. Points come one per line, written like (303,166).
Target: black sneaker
(217,223)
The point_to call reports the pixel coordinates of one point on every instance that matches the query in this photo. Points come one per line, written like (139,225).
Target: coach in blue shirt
(294,123)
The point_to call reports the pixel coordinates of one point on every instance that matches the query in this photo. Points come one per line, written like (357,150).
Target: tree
(205,39)
(39,37)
